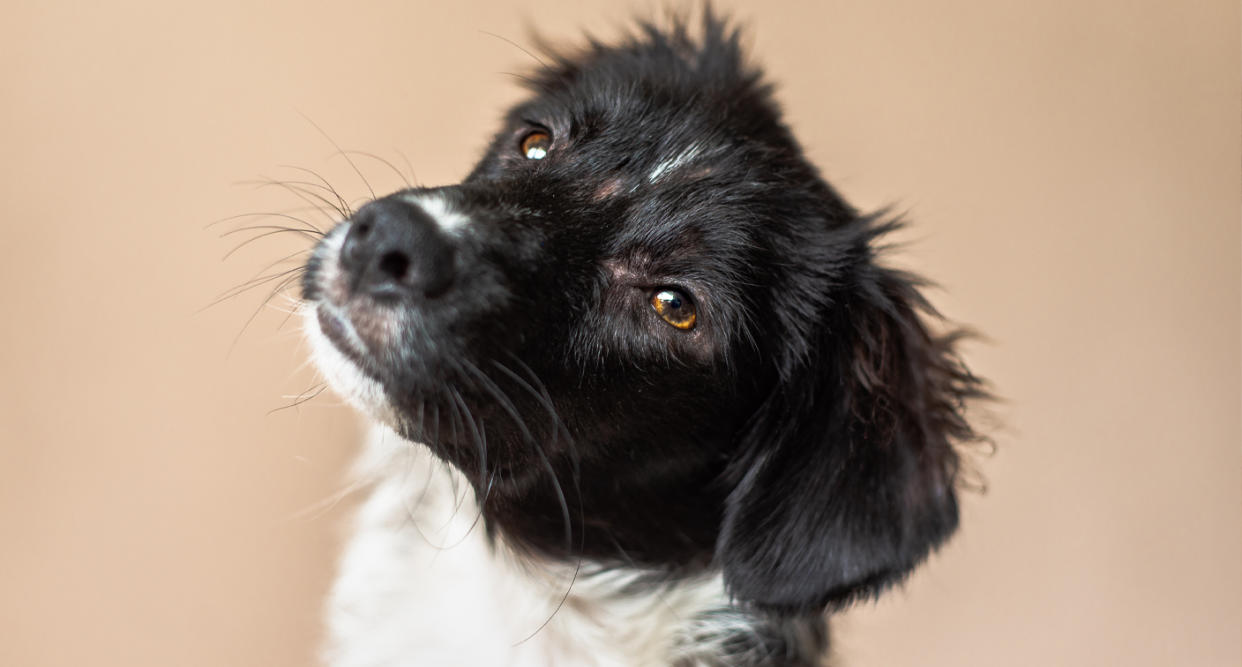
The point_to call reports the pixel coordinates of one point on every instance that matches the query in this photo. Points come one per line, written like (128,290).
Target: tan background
(1072,168)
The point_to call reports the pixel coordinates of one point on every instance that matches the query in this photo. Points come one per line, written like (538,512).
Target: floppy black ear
(848,480)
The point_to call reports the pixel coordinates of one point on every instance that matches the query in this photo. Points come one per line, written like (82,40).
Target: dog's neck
(422,582)
(667,523)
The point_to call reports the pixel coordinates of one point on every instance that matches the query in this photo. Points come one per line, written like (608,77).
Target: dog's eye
(675,308)
(535,146)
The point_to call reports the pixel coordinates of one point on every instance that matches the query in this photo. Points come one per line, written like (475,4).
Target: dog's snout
(394,248)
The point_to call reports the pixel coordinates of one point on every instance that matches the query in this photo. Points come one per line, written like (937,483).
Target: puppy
(669,409)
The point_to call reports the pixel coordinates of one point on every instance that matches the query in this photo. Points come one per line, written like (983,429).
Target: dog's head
(649,333)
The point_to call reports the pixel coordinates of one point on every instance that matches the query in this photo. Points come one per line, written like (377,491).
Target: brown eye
(675,308)
(535,146)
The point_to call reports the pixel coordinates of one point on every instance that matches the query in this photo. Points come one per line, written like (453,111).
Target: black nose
(394,249)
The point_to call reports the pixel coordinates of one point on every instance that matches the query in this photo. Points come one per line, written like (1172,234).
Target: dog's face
(650,334)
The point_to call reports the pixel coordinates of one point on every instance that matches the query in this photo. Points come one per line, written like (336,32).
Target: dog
(669,407)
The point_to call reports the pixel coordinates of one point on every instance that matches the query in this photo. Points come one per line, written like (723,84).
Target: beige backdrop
(1072,168)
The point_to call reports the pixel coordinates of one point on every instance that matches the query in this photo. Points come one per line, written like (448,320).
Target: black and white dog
(671,410)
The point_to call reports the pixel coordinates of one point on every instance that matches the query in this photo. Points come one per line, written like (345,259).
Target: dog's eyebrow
(608,189)
(686,156)
(622,270)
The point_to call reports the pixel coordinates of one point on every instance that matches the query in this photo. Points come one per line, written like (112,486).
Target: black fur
(800,437)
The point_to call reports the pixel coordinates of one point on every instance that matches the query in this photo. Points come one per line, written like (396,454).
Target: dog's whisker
(274,232)
(506,404)
(271,265)
(408,165)
(289,305)
(320,508)
(257,281)
(517,46)
(305,191)
(305,392)
(509,408)
(411,521)
(456,432)
(520,77)
(422,416)
(293,278)
(308,229)
(427,480)
(412,510)
(265,214)
(476,434)
(295,308)
(540,395)
(384,162)
(474,523)
(341,205)
(301,398)
(343,154)
(573,579)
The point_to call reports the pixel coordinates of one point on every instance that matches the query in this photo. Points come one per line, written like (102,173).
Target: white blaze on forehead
(435,205)
(685,157)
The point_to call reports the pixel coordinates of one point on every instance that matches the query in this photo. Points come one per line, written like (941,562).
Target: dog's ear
(848,478)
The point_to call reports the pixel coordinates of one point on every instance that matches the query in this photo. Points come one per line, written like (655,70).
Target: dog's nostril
(395,264)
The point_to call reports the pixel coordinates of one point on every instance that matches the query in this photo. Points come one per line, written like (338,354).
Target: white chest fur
(420,584)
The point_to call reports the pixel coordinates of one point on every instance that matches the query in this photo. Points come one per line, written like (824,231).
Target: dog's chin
(342,357)
(345,353)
